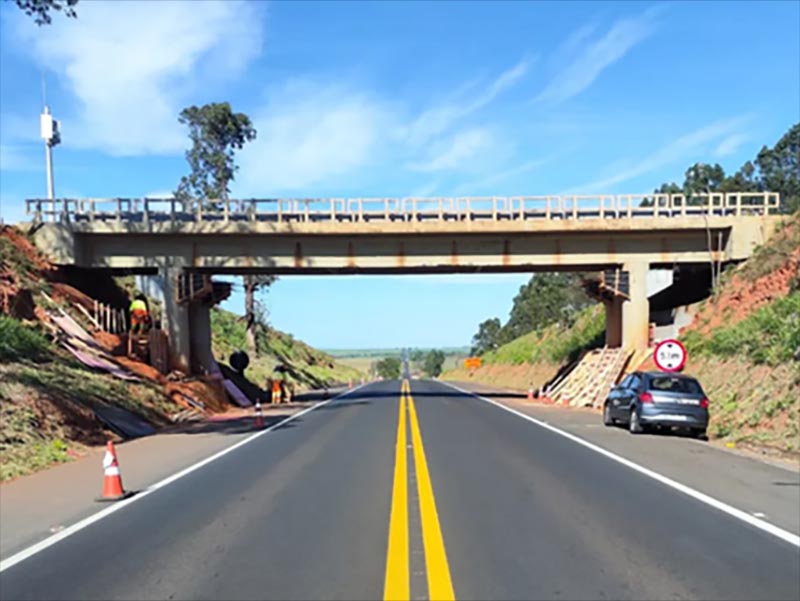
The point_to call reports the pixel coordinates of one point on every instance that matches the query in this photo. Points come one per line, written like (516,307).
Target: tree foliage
(546,299)
(779,168)
(417,355)
(216,132)
(775,169)
(388,368)
(41,10)
(488,337)
(434,361)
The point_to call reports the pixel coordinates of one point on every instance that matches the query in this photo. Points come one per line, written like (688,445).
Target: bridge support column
(177,320)
(636,311)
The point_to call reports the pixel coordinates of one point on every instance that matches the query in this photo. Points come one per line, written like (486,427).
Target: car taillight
(646,397)
(704,403)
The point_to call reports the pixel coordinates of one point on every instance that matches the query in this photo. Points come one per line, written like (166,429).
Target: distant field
(389,352)
(360,363)
(364,363)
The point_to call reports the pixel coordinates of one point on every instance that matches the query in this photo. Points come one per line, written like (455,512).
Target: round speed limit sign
(670,355)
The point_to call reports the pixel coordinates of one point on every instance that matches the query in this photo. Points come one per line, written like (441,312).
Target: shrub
(770,335)
(20,341)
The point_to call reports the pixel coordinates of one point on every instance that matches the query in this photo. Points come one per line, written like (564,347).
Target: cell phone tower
(51,134)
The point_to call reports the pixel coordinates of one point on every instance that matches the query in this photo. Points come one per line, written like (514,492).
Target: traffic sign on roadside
(670,355)
(472,362)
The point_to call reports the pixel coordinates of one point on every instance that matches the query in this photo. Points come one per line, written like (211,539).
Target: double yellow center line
(397,582)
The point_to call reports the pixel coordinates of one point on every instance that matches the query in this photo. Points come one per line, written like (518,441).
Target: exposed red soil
(743,295)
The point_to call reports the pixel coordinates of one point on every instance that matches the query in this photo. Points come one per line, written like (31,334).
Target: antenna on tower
(51,134)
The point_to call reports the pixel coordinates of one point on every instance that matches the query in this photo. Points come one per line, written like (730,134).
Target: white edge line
(96,517)
(695,494)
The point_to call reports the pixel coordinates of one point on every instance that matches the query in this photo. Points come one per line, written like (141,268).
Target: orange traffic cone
(530,394)
(112,480)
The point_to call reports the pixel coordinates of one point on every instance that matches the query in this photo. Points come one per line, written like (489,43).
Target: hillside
(535,358)
(306,366)
(744,346)
(53,407)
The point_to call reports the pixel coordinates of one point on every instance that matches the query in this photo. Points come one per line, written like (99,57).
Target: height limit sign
(670,355)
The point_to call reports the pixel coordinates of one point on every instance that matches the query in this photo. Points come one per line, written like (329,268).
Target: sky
(396,99)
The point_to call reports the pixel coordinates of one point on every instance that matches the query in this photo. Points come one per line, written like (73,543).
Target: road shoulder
(36,506)
(765,490)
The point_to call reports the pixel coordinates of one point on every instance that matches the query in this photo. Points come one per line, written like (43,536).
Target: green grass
(308,366)
(555,343)
(19,341)
(775,252)
(770,335)
(21,460)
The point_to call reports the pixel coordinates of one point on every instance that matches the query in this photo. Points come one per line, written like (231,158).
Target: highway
(458,499)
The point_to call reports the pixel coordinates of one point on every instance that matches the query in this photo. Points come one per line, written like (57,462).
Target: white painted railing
(492,208)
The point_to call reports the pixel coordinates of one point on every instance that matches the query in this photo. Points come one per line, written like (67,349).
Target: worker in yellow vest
(140,315)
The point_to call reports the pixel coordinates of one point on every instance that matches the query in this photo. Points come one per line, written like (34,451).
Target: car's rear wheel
(634,425)
(700,434)
(607,419)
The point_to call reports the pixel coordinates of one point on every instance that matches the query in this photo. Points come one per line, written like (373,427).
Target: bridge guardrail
(492,208)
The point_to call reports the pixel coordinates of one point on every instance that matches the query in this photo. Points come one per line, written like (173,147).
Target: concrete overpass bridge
(633,233)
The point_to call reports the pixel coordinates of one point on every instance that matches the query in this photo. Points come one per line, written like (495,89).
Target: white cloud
(133,65)
(439,119)
(308,134)
(160,194)
(592,58)
(452,155)
(682,148)
(730,145)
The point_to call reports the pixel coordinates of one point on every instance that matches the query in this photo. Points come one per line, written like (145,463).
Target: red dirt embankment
(770,274)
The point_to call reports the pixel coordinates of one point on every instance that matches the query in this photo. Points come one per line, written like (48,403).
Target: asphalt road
(482,504)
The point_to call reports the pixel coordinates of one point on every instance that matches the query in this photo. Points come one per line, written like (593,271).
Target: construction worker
(140,315)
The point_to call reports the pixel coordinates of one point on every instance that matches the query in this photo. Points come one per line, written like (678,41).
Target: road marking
(396,584)
(780,533)
(440,585)
(96,517)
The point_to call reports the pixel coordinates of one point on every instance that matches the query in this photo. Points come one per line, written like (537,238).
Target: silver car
(648,399)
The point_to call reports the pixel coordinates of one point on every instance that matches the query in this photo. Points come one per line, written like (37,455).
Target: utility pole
(52,137)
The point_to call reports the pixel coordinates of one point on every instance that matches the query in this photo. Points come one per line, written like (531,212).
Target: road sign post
(670,355)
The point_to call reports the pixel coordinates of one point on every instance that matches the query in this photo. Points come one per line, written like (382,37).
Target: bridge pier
(636,310)
(177,318)
(628,321)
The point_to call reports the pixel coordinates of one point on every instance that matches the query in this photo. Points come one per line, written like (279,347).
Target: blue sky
(361,99)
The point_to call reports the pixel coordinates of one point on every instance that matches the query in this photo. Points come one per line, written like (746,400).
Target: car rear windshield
(674,384)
